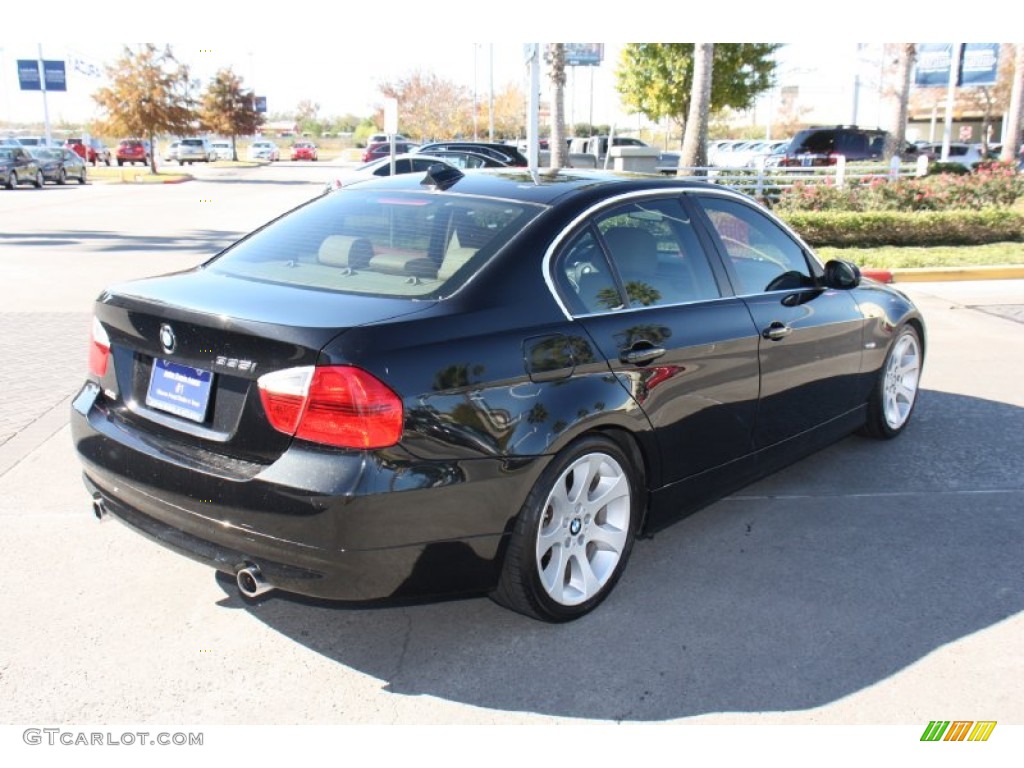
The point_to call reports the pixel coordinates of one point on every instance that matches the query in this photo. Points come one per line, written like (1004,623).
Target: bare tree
(556,61)
(695,139)
(902,56)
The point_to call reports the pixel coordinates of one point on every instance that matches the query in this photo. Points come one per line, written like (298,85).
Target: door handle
(776,331)
(641,355)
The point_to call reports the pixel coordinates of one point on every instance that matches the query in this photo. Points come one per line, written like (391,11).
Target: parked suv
(133,151)
(506,153)
(193,150)
(822,145)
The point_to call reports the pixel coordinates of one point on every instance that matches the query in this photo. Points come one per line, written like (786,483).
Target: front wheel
(574,533)
(37,182)
(895,394)
(62,177)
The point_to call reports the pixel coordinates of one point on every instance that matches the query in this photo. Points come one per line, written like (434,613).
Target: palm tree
(1012,134)
(695,139)
(556,58)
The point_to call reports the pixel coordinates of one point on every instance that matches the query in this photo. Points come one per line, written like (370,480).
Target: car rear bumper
(340,525)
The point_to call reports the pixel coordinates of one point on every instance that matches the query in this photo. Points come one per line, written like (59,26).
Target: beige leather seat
(345,251)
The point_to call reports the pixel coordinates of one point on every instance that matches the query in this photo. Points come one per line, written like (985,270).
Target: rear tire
(574,534)
(62,177)
(895,394)
(37,182)
(12,180)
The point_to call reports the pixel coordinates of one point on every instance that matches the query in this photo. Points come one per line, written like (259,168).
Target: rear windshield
(396,244)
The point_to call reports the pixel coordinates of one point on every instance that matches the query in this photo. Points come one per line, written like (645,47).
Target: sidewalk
(944,274)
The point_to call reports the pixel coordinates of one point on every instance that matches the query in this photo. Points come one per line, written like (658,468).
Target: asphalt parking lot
(874,583)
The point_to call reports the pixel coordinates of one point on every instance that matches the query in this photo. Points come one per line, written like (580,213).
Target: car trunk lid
(187,351)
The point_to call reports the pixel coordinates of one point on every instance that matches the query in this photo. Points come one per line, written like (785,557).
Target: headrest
(345,251)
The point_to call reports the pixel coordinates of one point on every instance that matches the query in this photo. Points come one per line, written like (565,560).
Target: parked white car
(221,149)
(962,154)
(264,150)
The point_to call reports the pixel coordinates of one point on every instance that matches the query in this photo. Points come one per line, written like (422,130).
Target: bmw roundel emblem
(167,340)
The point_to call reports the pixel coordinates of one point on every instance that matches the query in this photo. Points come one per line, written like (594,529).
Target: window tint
(853,143)
(763,255)
(818,142)
(656,254)
(386,244)
(584,278)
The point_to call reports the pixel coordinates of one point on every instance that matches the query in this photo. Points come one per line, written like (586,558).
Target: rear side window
(399,244)
(640,254)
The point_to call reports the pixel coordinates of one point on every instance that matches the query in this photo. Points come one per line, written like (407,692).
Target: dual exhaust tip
(249,577)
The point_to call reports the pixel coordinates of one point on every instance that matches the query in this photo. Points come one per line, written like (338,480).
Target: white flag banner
(85,67)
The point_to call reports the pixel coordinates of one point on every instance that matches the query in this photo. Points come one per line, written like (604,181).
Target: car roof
(545,187)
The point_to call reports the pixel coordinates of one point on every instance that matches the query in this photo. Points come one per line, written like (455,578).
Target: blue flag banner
(980,64)
(28,75)
(56,79)
(933,64)
(53,71)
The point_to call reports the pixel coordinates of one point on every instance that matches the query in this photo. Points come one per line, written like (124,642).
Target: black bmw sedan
(487,383)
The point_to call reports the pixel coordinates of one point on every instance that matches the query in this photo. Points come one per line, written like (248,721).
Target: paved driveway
(873,583)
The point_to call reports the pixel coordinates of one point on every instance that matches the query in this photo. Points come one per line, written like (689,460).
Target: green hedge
(844,229)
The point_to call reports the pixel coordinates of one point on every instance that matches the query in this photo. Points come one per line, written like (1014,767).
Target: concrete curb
(942,274)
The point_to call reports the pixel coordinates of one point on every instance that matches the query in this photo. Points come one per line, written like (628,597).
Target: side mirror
(842,274)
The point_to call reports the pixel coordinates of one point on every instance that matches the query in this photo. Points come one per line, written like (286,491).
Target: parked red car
(381,149)
(133,151)
(304,150)
(94,152)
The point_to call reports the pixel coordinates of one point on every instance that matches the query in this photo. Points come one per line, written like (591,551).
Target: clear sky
(336,55)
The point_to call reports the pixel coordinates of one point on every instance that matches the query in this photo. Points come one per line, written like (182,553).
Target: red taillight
(334,405)
(99,350)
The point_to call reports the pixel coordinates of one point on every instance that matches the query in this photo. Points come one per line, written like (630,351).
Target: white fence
(761,181)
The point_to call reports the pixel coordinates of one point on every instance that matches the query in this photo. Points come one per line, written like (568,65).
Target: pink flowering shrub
(992,185)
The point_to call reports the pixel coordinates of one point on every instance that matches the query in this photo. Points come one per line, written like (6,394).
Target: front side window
(656,254)
(762,255)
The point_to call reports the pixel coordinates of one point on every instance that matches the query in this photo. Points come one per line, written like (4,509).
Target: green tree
(656,79)
(148,95)
(230,110)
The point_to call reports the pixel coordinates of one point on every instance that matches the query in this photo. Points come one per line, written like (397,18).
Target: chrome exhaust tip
(99,509)
(251,582)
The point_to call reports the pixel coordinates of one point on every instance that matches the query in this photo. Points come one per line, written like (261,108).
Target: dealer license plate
(179,389)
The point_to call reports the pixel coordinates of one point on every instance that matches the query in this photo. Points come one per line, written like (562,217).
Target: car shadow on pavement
(200,240)
(808,586)
(271,182)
